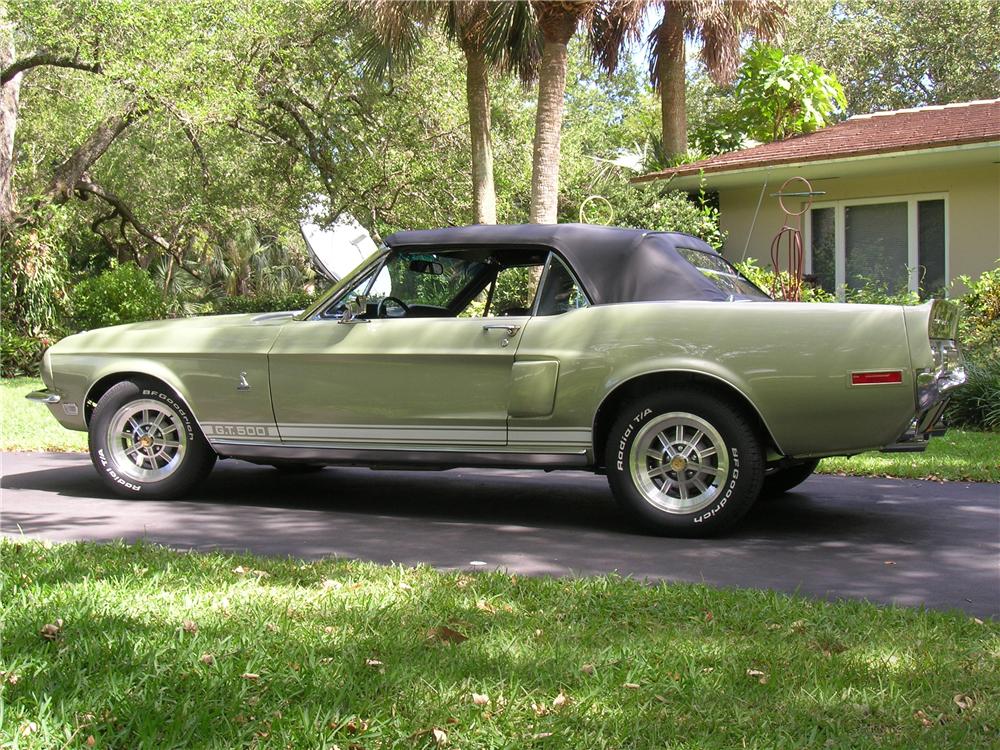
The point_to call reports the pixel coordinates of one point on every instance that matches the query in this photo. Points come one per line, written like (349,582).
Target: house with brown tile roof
(910,198)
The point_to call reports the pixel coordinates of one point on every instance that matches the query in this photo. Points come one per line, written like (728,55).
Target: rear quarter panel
(791,360)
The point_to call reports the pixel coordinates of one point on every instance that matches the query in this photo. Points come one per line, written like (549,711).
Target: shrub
(123,294)
(33,275)
(980,323)
(764,278)
(977,403)
(264,303)
(646,206)
(20,355)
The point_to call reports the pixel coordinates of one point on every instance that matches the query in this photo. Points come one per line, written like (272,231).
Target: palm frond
(722,27)
(390,32)
(614,26)
(511,38)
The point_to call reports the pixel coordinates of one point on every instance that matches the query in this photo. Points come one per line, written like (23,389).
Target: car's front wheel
(685,463)
(144,442)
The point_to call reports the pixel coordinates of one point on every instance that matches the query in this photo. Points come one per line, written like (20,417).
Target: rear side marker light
(884,377)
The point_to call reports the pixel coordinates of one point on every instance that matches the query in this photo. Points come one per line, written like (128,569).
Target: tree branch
(85,186)
(44,58)
(70,172)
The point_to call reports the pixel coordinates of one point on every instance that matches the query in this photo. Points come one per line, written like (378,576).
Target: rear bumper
(933,393)
(921,430)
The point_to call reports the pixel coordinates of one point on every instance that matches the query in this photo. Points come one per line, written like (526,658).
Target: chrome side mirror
(352,309)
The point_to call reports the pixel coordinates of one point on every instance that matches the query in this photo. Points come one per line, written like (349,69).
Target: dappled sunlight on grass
(959,455)
(152,648)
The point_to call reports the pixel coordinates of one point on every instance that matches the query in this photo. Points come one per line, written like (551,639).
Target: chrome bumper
(44,397)
(933,392)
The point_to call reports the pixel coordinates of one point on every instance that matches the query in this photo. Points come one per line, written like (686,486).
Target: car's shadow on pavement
(908,542)
(522,497)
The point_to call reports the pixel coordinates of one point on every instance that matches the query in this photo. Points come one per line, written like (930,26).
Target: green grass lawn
(141,647)
(25,426)
(958,456)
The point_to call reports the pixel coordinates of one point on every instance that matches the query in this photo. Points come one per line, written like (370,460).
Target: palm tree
(558,22)
(721,25)
(491,37)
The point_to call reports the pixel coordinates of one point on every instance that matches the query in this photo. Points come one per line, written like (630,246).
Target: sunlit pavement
(907,542)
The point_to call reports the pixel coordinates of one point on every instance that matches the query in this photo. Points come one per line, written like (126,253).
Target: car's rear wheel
(144,442)
(781,481)
(685,463)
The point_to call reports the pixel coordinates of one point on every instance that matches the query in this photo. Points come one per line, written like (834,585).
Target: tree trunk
(9,94)
(671,72)
(68,173)
(477,92)
(557,31)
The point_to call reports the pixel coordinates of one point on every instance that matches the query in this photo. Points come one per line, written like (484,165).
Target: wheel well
(663,381)
(108,382)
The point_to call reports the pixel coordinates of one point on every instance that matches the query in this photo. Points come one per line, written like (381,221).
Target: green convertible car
(641,355)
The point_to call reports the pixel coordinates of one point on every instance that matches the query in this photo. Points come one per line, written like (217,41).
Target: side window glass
(515,291)
(560,292)
(379,289)
(511,295)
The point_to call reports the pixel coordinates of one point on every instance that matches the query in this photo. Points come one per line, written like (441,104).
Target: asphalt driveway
(907,542)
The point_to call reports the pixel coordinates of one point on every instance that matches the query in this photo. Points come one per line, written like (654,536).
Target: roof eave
(685,178)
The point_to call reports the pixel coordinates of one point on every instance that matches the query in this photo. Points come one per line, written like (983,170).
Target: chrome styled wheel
(146,440)
(145,443)
(679,462)
(688,462)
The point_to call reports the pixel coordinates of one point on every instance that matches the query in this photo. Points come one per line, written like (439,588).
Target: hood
(202,333)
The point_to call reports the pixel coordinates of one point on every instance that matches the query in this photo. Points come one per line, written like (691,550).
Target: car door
(394,382)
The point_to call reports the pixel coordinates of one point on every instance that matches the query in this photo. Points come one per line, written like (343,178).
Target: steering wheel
(380,311)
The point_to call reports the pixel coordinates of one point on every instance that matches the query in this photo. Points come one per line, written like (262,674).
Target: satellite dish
(337,249)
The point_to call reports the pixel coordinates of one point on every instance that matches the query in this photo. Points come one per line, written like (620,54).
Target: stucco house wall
(972,215)
(972,212)
(942,162)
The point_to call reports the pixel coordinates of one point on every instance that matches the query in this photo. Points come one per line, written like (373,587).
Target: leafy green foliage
(980,323)
(891,54)
(33,279)
(123,294)
(263,303)
(20,355)
(646,206)
(765,279)
(778,95)
(977,403)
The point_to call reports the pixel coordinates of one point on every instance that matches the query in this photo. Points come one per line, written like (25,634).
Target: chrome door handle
(510,329)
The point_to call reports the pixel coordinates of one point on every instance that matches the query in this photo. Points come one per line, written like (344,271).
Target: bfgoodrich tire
(145,444)
(685,463)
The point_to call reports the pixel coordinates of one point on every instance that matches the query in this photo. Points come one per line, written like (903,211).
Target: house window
(900,243)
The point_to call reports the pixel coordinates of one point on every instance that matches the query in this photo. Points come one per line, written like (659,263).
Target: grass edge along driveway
(138,646)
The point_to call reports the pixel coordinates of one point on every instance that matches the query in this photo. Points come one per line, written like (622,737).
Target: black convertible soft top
(614,265)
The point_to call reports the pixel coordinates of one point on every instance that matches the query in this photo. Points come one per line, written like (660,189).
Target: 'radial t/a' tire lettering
(685,463)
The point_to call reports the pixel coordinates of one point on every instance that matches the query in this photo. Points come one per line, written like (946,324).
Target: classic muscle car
(641,355)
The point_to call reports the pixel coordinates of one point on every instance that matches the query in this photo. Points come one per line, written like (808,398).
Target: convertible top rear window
(721,273)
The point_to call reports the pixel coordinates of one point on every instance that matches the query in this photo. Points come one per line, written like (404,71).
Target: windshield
(722,273)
